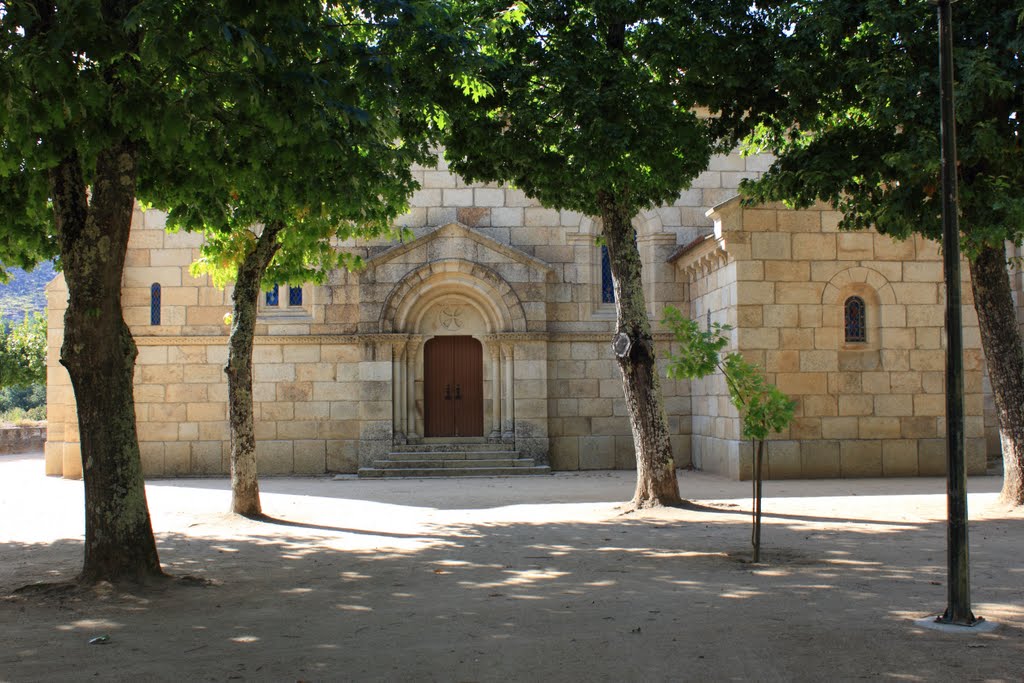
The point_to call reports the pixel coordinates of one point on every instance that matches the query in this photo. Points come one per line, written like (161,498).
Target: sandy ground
(523,579)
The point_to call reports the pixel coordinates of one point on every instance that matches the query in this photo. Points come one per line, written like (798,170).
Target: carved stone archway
(452,297)
(476,285)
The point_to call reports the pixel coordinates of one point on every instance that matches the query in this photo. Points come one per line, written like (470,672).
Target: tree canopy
(611,96)
(860,130)
(607,108)
(346,106)
(107,102)
(90,93)
(321,155)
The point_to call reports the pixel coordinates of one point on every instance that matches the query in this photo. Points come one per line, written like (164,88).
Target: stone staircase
(442,458)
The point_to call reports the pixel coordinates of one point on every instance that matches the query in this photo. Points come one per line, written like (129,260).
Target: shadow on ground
(663,595)
(565,487)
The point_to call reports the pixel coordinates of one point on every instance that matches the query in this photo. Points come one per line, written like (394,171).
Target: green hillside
(24,293)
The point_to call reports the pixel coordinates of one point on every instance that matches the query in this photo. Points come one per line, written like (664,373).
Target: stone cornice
(600,337)
(516,336)
(379,338)
(272,339)
(707,255)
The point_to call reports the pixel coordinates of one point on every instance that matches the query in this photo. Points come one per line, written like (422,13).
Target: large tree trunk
(1001,342)
(634,349)
(245,487)
(99,353)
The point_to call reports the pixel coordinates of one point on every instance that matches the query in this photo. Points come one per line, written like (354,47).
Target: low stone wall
(22,439)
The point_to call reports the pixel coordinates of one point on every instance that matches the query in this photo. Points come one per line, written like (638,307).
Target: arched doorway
(453,379)
(453,298)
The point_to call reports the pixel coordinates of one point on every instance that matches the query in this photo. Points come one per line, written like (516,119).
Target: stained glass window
(295,296)
(607,288)
(272,296)
(855,320)
(154,304)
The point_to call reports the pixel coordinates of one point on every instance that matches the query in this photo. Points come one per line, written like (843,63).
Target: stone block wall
(711,297)
(872,408)
(62,452)
(308,401)
(325,396)
(587,411)
(22,439)
(589,426)
(309,396)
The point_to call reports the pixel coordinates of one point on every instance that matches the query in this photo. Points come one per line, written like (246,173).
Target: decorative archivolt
(856,278)
(867,289)
(471,283)
(646,223)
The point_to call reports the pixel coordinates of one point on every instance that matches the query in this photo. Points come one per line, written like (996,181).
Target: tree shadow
(662,595)
(510,580)
(614,486)
(266,519)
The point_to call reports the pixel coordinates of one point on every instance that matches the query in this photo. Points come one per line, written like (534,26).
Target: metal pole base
(978,625)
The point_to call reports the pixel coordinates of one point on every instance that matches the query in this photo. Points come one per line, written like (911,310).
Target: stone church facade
(491,328)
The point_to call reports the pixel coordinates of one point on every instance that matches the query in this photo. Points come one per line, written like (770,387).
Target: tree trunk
(99,354)
(245,486)
(634,348)
(1001,342)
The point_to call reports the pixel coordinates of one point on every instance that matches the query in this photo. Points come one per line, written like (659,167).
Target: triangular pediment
(455,240)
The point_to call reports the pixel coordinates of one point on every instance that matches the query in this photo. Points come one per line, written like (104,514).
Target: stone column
(411,352)
(509,429)
(660,287)
(495,433)
(399,410)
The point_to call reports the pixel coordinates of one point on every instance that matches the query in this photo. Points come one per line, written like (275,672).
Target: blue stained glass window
(154,304)
(855,320)
(272,296)
(295,296)
(607,288)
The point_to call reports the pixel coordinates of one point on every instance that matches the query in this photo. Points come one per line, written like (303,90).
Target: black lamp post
(958,611)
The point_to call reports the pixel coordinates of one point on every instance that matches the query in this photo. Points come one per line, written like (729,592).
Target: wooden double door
(453,384)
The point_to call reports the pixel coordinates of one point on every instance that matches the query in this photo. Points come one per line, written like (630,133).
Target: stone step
(449,447)
(449,464)
(450,455)
(378,473)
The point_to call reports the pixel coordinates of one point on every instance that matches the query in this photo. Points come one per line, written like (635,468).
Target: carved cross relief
(450,317)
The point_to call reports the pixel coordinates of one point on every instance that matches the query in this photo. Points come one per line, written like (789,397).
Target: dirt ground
(522,579)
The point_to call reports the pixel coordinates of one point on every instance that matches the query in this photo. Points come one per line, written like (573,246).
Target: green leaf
(763,409)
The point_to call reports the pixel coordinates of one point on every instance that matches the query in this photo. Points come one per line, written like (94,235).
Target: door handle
(458,392)
(447,392)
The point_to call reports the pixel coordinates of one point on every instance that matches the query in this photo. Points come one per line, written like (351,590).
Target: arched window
(607,288)
(154,304)
(273,295)
(855,320)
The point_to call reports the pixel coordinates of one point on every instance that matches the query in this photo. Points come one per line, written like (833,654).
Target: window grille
(607,287)
(154,304)
(855,320)
(272,296)
(295,296)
